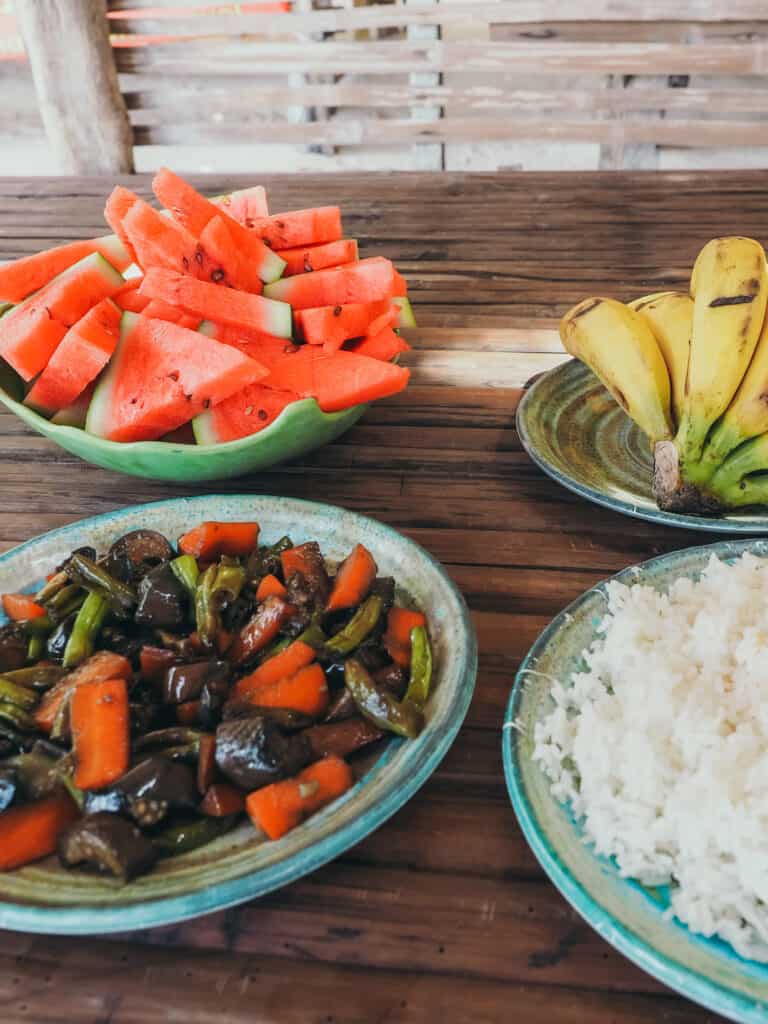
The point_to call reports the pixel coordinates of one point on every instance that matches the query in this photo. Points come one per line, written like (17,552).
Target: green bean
(18,695)
(85,572)
(16,717)
(206,619)
(65,602)
(357,629)
(39,677)
(190,835)
(82,639)
(52,587)
(36,647)
(186,571)
(421,668)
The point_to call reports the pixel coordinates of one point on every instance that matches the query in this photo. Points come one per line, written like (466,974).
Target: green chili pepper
(86,573)
(41,626)
(230,580)
(206,619)
(378,705)
(421,668)
(35,647)
(39,677)
(51,587)
(186,571)
(18,695)
(358,627)
(65,602)
(16,717)
(190,835)
(82,639)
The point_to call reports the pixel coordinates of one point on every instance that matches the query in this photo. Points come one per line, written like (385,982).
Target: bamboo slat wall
(336,84)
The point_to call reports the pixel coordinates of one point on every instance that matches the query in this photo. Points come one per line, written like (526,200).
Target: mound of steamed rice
(661,745)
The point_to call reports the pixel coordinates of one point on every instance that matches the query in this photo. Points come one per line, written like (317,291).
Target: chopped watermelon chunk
(78,360)
(406,318)
(266,349)
(22,277)
(337,380)
(160,377)
(194,211)
(305,259)
(241,415)
(245,204)
(366,281)
(236,269)
(159,242)
(30,333)
(119,202)
(385,345)
(128,298)
(159,310)
(333,325)
(299,227)
(222,305)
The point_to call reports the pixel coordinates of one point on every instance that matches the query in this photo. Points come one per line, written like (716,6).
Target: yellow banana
(670,315)
(729,284)
(620,348)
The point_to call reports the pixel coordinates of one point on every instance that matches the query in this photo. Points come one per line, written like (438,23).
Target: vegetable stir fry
(151,697)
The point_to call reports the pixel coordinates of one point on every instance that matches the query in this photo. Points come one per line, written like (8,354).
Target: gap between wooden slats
(233,57)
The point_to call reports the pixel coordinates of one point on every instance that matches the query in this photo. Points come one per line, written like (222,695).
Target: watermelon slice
(366,281)
(245,413)
(244,205)
(159,310)
(333,325)
(299,227)
(236,269)
(128,298)
(159,241)
(24,276)
(385,345)
(401,286)
(30,333)
(78,359)
(406,318)
(307,258)
(119,202)
(162,375)
(194,211)
(266,349)
(222,305)
(4,307)
(337,380)
(74,415)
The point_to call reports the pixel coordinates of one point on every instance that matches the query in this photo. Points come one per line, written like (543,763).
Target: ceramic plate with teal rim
(625,913)
(573,430)
(238,866)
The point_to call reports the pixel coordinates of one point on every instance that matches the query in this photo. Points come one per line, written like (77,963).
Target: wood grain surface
(443,913)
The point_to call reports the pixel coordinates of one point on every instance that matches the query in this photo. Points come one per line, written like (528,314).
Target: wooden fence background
(433,84)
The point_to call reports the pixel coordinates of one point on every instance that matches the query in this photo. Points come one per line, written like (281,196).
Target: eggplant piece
(342,738)
(155,787)
(36,773)
(252,752)
(86,550)
(313,586)
(186,682)
(9,785)
(59,638)
(133,555)
(13,647)
(288,719)
(125,639)
(393,678)
(162,599)
(161,739)
(108,801)
(342,706)
(384,587)
(108,844)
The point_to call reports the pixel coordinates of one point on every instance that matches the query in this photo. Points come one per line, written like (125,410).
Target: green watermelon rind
(406,317)
(96,420)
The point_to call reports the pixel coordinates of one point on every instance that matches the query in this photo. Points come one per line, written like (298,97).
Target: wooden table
(443,913)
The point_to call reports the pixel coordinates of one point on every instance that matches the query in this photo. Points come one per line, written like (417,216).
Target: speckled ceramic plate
(45,898)
(572,428)
(626,914)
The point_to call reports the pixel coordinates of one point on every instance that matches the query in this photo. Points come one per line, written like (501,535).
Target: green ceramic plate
(572,428)
(627,915)
(43,897)
(300,428)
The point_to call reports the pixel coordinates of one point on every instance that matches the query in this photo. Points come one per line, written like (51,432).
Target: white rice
(661,746)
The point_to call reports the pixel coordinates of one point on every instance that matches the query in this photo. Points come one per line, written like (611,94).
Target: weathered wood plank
(80,103)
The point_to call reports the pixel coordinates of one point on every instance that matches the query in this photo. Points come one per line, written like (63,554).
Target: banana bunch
(692,372)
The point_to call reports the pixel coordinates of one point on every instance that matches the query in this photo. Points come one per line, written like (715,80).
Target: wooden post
(67,42)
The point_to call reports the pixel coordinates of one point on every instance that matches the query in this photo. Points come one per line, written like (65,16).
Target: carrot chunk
(397,638)
(101,732)
(278,808)
(103,665)
(305,691)
(209,541)
(21,606)
(221,800)
(270,586)
(283,665)
(261,629)
(30,832)
(353,580)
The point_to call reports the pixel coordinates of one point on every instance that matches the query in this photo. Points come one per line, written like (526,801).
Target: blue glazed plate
(626,914)
(43,897)
(575,431)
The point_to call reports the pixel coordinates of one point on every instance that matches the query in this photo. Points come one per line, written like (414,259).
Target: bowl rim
(89,919)
(677,975)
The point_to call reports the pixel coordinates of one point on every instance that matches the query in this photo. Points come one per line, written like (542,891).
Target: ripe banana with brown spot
(620,348)
(670,317)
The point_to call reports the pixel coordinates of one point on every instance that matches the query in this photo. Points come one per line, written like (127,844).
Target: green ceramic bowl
(43,897)
(300,428)
(576,432)
(629,916)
